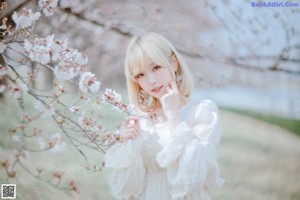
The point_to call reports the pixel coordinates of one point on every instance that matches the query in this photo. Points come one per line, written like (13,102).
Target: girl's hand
(131,128)
(171,101)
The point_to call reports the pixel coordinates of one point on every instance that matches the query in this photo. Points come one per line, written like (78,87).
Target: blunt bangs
(145,53)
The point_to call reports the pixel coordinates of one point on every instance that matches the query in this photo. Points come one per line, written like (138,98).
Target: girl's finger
(129,130)
(131,120)
(128,137)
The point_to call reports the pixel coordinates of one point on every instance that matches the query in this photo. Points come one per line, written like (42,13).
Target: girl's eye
(156,68)
(139,75)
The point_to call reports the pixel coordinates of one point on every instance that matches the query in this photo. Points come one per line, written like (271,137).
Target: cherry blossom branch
(66,64)
(49,182)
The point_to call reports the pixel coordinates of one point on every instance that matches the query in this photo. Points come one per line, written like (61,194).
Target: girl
(170,153)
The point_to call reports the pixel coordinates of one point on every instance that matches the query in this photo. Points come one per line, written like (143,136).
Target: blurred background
(245,58)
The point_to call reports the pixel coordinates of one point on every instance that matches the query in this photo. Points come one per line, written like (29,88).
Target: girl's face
(154,79)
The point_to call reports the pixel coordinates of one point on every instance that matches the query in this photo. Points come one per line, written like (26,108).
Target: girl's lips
(157,89)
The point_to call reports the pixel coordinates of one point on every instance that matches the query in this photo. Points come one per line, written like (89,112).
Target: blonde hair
(156,48)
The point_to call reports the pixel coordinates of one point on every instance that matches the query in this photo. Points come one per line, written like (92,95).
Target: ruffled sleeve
(127,180)
(190,155)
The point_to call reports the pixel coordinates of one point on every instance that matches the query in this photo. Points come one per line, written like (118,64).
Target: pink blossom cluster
(88,81)
(76,109)
(46,110)
(25,18)
(112,97)
(48,6)
(3,71)
(5,29)
(17,90)
(89,124)
(54,142)
(68,62)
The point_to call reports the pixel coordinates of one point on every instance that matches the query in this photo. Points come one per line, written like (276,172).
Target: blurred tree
(219,38)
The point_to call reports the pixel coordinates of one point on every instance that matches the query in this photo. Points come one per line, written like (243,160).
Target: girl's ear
(175,63)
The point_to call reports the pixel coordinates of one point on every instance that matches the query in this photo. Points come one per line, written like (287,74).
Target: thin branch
(9,14)
(39,178)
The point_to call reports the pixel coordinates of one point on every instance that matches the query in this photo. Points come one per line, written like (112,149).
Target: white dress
(159,165)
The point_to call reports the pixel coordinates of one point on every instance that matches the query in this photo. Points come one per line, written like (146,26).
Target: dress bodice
(164,165)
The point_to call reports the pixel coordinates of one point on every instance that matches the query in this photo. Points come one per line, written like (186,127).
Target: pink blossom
(46,110)
(64,73)
(24,154)
(54,142)
(3,70)
(58,46)
(112,97)
(17,90)
(25,18)
(39,49)
(88,123)
(75,109)
(47,6)
(68,62)
(2,88)
(88,81)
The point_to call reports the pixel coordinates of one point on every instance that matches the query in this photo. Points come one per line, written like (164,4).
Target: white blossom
(68,61)
(28,45)
(47,6)
(57,143)
(111,96)
(75,109)
(17,90)
(3,70)
(57,48)
(72,56)
(79,58)
(54,142)
(82,121)
(64,73)
(88,123)
(40,49)
(2,88)
(25,18)
(58,148)
(42,57)
(46,110)
(88,81)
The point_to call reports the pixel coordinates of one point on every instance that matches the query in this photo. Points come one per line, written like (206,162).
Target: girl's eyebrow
(151,64)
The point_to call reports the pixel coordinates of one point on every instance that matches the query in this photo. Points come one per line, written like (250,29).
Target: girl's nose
(151,79)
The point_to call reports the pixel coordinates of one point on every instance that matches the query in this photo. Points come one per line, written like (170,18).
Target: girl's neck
(157,114)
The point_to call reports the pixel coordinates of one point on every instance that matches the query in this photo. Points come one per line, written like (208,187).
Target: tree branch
(230,60)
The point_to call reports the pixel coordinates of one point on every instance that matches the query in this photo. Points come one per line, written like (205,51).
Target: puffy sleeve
(127,180)
(190,156)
